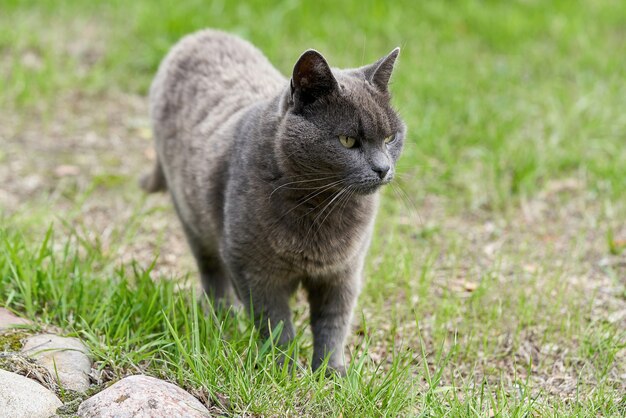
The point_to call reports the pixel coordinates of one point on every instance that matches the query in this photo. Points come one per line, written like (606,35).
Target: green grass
(513,93)
(496,262)
(133,323)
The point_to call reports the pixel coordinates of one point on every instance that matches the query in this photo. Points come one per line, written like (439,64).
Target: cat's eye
(389,139)
(347,141)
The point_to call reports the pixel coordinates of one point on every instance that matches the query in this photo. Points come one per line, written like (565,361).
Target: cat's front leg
(267,300)
(332,300)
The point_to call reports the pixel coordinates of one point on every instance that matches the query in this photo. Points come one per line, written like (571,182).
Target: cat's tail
(155,180)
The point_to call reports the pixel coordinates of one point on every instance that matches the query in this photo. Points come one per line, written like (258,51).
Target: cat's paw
(332,369)
(337,370)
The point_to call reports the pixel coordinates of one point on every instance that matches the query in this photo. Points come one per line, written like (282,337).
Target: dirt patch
(83,162)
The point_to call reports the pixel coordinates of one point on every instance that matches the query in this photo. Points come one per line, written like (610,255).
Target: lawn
(496,280)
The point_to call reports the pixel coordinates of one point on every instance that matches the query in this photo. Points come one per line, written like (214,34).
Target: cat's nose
(381,170)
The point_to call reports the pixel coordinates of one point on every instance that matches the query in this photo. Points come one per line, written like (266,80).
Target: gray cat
(275,180)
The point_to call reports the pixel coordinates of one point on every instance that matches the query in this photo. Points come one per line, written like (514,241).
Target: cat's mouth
(370,186)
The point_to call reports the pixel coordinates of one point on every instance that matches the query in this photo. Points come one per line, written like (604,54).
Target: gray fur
(268,197)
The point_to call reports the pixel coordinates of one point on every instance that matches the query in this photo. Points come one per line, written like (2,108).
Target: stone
(142,397)
(21,397)
(67,358)
(8,320)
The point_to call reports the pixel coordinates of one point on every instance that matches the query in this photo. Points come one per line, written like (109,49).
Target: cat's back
(209,76)
(204,84)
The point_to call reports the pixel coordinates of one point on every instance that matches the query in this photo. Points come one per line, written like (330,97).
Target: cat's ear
(379,72)
(312,78)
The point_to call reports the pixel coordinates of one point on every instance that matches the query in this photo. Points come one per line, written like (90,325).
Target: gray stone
(8,320)
(21,397)
(142,397)
(67,358)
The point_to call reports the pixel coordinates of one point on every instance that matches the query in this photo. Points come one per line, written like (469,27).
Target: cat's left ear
(379,72)
(312,78)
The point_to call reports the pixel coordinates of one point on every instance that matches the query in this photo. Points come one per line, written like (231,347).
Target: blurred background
(500,97)
(504,235)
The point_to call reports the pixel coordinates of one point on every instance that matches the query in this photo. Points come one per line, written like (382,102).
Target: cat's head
(339,124)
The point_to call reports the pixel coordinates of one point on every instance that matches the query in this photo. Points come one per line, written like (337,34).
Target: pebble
(8,320)
(142,397)
(21,397)
(67,358)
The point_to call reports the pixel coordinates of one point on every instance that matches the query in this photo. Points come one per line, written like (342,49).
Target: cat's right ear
(312,79)
(379,72)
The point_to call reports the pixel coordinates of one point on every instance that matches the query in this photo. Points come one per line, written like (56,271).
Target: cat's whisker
(345,197)
(313,209)
(299,182)
(311,196)
(351,192)
(301,188)
(406,199)
(331,197)
(341,203)
(338,195)
(321,190)
(405,176)
(313,172)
